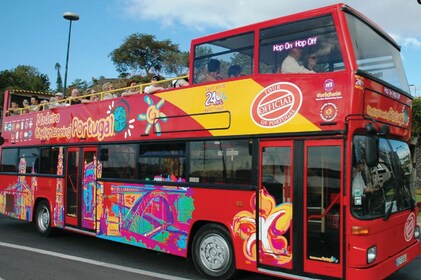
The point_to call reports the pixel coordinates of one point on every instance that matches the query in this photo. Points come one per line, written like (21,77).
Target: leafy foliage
(80,84)
(142,53)
(201,54)
(24,77)
(244,61)
(59,81)
(176,63)
(416,116)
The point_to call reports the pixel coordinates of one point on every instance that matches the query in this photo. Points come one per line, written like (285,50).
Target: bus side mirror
(384,130)
(371,151)
(1,140)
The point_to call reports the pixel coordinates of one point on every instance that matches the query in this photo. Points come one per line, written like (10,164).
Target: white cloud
(394,16)
(401,19)
(412,42)
(215,14)
(192,14)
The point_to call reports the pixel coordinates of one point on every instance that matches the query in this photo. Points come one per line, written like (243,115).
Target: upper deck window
(312,43)
(375,54)
(234,54)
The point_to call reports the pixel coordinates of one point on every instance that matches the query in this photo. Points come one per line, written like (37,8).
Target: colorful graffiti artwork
(153,217)
(121,112)
(89,186)
(275,221)
(152,115)
(58,214)
(17,199)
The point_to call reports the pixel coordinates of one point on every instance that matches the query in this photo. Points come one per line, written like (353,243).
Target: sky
(35,33)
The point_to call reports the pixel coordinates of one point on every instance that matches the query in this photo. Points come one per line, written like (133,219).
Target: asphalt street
(24,254)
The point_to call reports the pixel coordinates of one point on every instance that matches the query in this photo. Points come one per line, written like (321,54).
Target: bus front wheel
(43,218)
(213,253)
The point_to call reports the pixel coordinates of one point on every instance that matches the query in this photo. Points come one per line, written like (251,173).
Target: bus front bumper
(387,267)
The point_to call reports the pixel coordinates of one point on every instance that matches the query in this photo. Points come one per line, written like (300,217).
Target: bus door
(80,189)
(275,204)
(323,229)
(299,207)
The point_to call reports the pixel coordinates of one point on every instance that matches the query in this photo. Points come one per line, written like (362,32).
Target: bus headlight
(417,232)
(371,254)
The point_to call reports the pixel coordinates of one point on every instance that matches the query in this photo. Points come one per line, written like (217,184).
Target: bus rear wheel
(213,253)
(43,218)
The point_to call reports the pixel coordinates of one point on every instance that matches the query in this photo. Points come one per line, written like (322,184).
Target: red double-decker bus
(288,154)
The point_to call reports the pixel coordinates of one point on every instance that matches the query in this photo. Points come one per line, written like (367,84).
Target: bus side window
(31,158)
(104,155)
(220,162)
(49,160)
(162,162)
(277,43)
(118,161)
(236,49)
(9,160)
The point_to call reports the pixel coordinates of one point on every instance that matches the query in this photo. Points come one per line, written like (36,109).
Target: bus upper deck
(356,73)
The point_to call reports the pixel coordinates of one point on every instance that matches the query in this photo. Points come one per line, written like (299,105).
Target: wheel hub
(214,253)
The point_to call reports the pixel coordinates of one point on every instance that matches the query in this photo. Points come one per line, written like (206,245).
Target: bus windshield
(376,55)
(389,184)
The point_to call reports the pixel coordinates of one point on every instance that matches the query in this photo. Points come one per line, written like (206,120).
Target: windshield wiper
(397,179)
(408,196)
(389,211)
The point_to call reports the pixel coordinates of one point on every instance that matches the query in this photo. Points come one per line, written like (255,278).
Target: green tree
(176,63)
(23,77)
(142,53)
(416,116)
(201,57)
(244,61)
(80,84)
(59,81)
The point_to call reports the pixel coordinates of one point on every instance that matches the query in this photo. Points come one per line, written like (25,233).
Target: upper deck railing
(165,84)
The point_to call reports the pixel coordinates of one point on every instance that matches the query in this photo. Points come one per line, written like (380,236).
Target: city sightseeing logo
(409,227)
(276,104)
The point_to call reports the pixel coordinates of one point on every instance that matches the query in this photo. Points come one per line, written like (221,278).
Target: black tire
(43,219)
(213,253)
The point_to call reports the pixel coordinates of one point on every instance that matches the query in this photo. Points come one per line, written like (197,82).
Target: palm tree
(59,80)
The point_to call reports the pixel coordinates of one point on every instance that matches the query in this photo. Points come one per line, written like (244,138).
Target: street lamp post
(415,89)
(70,17)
